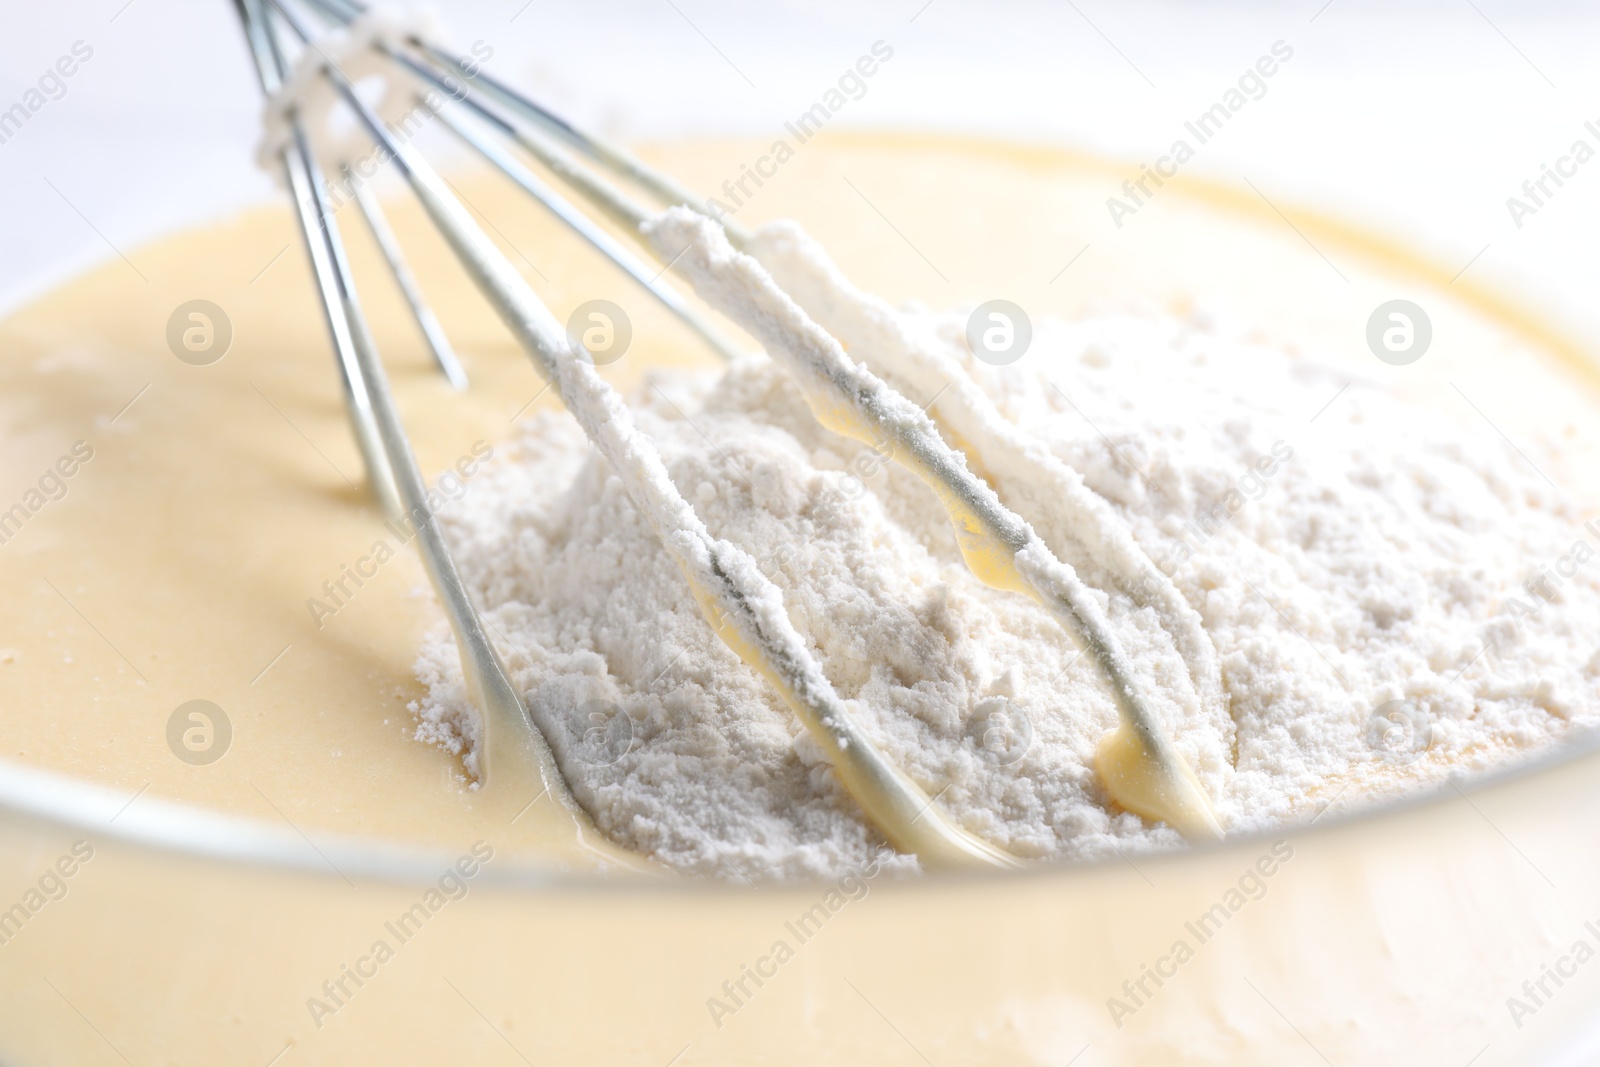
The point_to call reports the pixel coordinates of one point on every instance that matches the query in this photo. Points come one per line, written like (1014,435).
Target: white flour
(1334,566)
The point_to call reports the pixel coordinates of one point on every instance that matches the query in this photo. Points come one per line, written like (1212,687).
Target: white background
(1422,115)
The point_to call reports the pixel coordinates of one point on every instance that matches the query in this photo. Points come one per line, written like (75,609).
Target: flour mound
(1362,577)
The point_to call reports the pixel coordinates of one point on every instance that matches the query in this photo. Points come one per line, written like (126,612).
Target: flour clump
(1391,598)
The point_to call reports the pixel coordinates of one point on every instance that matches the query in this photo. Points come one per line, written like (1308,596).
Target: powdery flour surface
(1379,553)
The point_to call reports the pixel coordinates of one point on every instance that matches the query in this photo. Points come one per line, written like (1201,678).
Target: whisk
(1137,761)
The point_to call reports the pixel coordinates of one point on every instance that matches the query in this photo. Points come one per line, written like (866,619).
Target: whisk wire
(1138,761)
(392,467)
(383,236)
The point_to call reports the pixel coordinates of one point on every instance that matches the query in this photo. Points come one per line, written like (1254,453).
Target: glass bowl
(166,932)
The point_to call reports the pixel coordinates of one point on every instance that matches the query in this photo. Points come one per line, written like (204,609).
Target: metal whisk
(1138,762)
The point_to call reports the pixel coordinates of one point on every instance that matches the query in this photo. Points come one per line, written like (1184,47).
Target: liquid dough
(206,504)
(178,562)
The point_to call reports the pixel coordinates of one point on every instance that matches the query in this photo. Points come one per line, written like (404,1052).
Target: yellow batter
(207,503)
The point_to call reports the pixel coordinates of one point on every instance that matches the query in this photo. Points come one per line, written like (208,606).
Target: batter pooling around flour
(1295,578)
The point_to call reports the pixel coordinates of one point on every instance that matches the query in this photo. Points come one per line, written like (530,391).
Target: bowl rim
(75,805)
